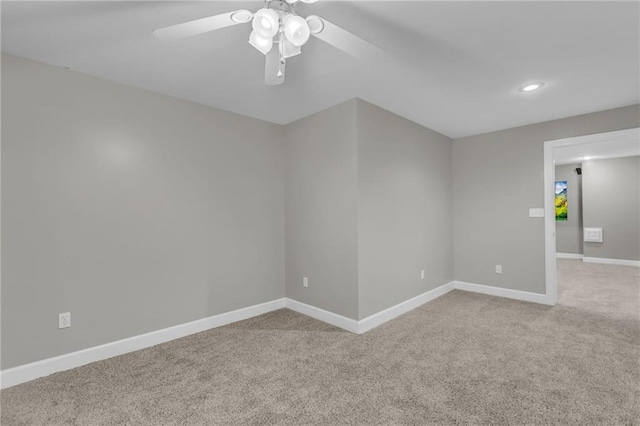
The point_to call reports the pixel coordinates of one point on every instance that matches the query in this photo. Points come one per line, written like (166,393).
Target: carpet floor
(463,358)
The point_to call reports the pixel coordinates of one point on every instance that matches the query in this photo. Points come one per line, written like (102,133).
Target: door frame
(551,287)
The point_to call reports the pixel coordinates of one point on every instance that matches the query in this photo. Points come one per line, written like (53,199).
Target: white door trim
(551,288)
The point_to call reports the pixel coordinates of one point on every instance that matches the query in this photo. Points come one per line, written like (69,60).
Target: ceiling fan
(278,33)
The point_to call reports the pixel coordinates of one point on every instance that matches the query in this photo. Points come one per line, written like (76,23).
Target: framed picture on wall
(561,200)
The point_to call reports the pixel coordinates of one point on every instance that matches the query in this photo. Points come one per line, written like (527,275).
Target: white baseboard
(322,315)
(372,321)
(388,314)
(569,256)
(24,373)
(502,292)
(621,262)
(27,372)
(45,367)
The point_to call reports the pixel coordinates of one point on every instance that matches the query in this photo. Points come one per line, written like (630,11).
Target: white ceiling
(451,66)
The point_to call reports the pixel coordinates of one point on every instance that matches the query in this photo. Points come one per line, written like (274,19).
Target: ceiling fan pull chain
(281,62)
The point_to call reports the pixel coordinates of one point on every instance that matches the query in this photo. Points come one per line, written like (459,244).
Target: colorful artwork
(561,200)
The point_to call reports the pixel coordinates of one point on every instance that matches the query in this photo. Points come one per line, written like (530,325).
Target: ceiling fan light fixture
(266,23)
(262,44)
(241,16)
(296,30)
(315,23)
(276,23)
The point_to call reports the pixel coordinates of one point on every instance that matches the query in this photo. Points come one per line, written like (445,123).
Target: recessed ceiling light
(531,86)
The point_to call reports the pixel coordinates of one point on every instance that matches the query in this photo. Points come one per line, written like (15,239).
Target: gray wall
(569,233)
(321,210)
(135,211)
(611,201)
(367,206)
(497,177)
(404,209)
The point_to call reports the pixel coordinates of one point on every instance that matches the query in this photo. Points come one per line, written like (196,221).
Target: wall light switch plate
(64,320)
(498,269)
(305,282)
(537,212)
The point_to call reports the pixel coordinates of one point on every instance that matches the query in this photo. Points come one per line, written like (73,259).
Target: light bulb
(296,30)
(262,44)
(265,23)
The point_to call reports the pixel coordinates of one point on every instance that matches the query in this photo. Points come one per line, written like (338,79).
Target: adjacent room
(320,212)
(597,222)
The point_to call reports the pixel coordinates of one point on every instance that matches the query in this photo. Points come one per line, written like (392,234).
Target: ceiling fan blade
(203,25)
(342,39)
(272,67)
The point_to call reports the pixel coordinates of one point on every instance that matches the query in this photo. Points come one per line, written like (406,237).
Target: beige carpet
(462,359)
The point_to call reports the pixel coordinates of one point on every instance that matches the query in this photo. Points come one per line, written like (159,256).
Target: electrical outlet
(305,282)
(64,320)
(498,269)
(422,274)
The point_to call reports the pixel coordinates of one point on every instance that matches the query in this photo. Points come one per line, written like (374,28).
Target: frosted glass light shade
(296,30)
(262,44)
(287,49)
(265,23)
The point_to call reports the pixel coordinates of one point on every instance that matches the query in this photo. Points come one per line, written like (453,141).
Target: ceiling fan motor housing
(279,6)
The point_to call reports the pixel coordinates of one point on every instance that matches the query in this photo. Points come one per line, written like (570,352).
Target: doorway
(623,143)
